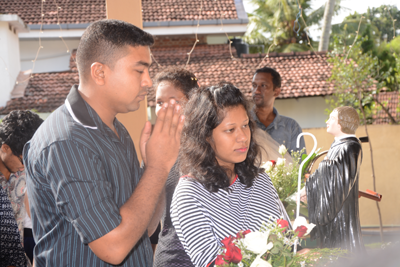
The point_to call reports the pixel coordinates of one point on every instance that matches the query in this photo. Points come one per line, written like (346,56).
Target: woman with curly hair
(223,190)
(177,84)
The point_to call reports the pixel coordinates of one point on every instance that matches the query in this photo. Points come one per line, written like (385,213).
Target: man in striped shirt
(90,203)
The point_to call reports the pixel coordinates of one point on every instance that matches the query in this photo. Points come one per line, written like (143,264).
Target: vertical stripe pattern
(77,178)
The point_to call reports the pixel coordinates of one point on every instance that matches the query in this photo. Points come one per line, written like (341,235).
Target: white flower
(303,264)
(268,166)
(280,189)
(282,150)
(257,242)
(258,262)
(240,264)
(280,161)
(301,221)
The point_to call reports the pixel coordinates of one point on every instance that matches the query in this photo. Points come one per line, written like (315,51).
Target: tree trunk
(326,27)
(373,168)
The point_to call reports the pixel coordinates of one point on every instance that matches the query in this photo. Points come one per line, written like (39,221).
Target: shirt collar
(78,110)
(274,123)
(344,136)
(85,115)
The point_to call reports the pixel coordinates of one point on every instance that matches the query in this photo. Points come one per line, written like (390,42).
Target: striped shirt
(79,173)
(202,219)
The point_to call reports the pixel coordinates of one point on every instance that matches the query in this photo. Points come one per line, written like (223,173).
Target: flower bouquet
(284,177)
(272,247)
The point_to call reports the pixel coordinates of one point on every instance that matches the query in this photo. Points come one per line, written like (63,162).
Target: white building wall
(9,61)
(309,112)
(53,57)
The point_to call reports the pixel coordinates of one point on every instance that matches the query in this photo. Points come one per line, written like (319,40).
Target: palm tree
(273,22)
(326,27)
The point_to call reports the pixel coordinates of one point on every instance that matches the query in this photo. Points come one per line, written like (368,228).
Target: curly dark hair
(104,40)
(17,128)
(276,77)
(183,79)
(203,113)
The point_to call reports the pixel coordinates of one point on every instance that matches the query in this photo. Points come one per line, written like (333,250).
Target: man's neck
(97,103)
(266,115)
(4,170)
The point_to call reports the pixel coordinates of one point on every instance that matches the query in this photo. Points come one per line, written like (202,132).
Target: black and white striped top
(202,219)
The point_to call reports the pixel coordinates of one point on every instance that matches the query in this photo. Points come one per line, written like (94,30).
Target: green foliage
(285,176)
(272,22)
(280,254)
(356,79)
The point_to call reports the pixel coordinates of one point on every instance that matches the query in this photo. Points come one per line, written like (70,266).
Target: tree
(326,27)
(273,22)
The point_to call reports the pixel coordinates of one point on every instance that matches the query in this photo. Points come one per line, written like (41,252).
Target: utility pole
(130,11)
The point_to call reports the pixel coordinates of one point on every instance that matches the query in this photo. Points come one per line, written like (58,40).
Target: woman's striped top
(202,219)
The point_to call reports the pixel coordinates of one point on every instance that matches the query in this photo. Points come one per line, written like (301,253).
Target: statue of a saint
(332,190)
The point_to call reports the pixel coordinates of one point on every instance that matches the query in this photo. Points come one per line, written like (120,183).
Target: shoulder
(352,144)
(58,130)
(289,122)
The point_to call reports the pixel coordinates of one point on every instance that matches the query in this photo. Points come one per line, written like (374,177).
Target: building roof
(303,74)
(88,11)
(391,101)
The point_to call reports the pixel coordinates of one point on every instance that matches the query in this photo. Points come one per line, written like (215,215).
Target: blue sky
(360,6)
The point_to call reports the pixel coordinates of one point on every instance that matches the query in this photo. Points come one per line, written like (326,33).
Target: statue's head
(348,119)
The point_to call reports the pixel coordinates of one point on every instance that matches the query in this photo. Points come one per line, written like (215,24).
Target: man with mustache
(266,87)
(91,204)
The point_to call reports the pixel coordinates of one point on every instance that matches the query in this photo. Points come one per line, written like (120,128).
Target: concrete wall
(386,149)
(309,112)
(9,58)
(53,57)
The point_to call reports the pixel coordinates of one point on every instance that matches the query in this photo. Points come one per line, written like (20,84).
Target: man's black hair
(104,41)
(276,77)
(17,128)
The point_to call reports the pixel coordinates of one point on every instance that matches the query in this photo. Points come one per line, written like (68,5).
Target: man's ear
(277,91)
(5,149)
(97,72)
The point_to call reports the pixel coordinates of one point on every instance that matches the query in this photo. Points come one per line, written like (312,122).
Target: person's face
(129,80)
(231,139)
(263,91)
(166,91)
(332,124)
(10,161)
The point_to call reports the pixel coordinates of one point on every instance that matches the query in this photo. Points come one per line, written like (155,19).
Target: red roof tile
(303,74)
(87,11)
(391,101)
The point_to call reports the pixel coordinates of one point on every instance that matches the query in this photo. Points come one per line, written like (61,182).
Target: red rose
(232,253)
(301,230)
(220,261)
(242,234)
(227,241)
(282,224)
(273,162)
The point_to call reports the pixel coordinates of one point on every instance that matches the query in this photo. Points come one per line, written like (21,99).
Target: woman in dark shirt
(11,251)
(172,84)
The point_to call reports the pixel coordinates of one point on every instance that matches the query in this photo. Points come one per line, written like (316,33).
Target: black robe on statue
(332,196)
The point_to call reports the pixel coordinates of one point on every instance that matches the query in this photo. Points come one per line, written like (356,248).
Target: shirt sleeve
(192,226)
(81,190)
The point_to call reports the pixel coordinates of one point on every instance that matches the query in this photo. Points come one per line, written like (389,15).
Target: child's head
(217,135)
(174,83)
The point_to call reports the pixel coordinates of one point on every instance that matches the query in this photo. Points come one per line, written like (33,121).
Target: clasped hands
(160,148)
